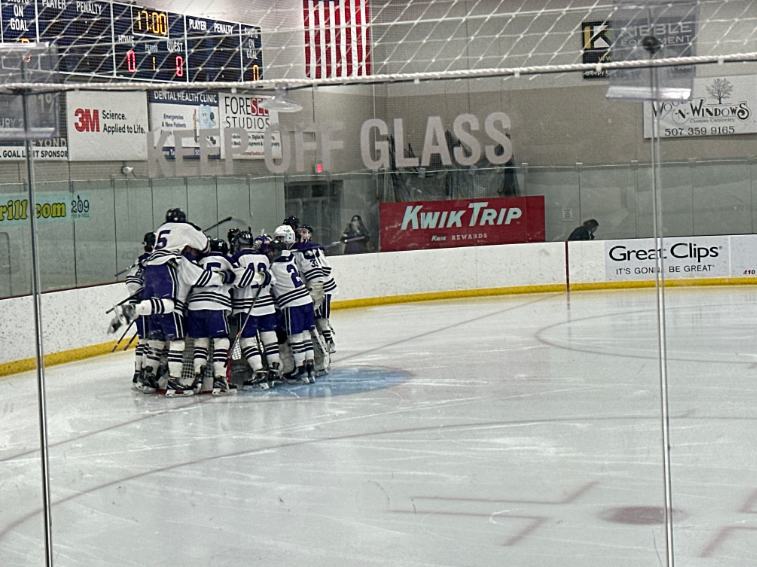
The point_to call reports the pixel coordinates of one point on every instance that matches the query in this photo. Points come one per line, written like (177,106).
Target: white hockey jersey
(287,286)
(189,275)
(313,266)
(135,279)
(172,237)
(212,297)
(248,263)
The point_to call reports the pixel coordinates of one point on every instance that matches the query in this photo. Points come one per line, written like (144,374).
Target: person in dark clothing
(355,237)
(585,231)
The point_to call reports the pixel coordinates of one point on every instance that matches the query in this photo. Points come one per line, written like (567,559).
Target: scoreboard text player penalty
(112,40)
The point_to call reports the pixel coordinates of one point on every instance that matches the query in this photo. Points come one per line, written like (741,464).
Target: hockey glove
(262,278)
(228,276)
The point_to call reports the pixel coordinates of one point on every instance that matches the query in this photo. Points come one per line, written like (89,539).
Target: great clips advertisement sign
(471,222)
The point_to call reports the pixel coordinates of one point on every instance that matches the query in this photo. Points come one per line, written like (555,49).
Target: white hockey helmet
(285,234)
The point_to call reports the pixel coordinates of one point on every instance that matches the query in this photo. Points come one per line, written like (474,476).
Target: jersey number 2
(295,276)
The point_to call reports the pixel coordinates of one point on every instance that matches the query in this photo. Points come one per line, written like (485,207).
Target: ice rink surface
(519,430)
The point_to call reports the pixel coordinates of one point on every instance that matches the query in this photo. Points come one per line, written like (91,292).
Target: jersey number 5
(162,241)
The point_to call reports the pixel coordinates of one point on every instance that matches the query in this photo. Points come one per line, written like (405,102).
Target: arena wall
(75,321)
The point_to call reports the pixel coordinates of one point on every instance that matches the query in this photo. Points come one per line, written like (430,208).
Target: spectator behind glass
(355,237)
(585,231)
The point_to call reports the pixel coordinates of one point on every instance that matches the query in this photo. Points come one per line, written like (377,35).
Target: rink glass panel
(702,197)
(699,197)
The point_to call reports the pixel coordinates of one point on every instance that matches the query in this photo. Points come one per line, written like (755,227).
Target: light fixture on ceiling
(280,102)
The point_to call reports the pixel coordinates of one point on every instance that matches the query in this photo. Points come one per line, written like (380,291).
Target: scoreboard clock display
(113,40)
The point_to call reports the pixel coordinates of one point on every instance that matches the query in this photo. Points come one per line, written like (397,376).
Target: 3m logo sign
(89,120)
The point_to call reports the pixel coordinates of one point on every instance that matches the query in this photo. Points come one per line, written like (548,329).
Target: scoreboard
(113,40)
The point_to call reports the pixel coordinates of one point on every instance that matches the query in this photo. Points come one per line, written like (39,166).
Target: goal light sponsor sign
(55,149)
(719,106)
(422,225)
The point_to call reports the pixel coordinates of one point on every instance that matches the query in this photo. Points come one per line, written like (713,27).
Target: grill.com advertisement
(693,257)
(107,126)
(422,225)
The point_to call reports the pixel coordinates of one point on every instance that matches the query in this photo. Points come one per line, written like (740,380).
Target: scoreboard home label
(104,39)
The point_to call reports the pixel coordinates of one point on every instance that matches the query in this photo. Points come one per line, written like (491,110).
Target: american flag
(337,38)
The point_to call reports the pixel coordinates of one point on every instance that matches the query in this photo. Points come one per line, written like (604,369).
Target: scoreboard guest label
(110,40)
(105,126)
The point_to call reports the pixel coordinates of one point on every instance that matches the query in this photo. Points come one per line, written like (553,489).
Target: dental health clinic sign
(691,257)
(422,225)
(107,126)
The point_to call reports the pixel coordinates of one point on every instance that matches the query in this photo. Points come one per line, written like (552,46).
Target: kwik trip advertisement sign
(468,222)
(719,106)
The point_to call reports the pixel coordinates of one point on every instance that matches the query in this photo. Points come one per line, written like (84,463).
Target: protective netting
(348,41)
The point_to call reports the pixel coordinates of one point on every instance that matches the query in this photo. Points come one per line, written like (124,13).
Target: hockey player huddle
(277,289)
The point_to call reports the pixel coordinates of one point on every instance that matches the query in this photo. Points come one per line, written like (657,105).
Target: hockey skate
(331,346)
(124,315)
(222,388)
(175,388)
(258,381)
(149,381)
(197,384)
(301,375)
(310,370)
(274,374)
(136,381)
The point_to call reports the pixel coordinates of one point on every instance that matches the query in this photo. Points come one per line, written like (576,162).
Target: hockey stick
(122,337)
(345,241)
(219,223)
(131,341)
(235,352)
(132,296)
(123,271)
